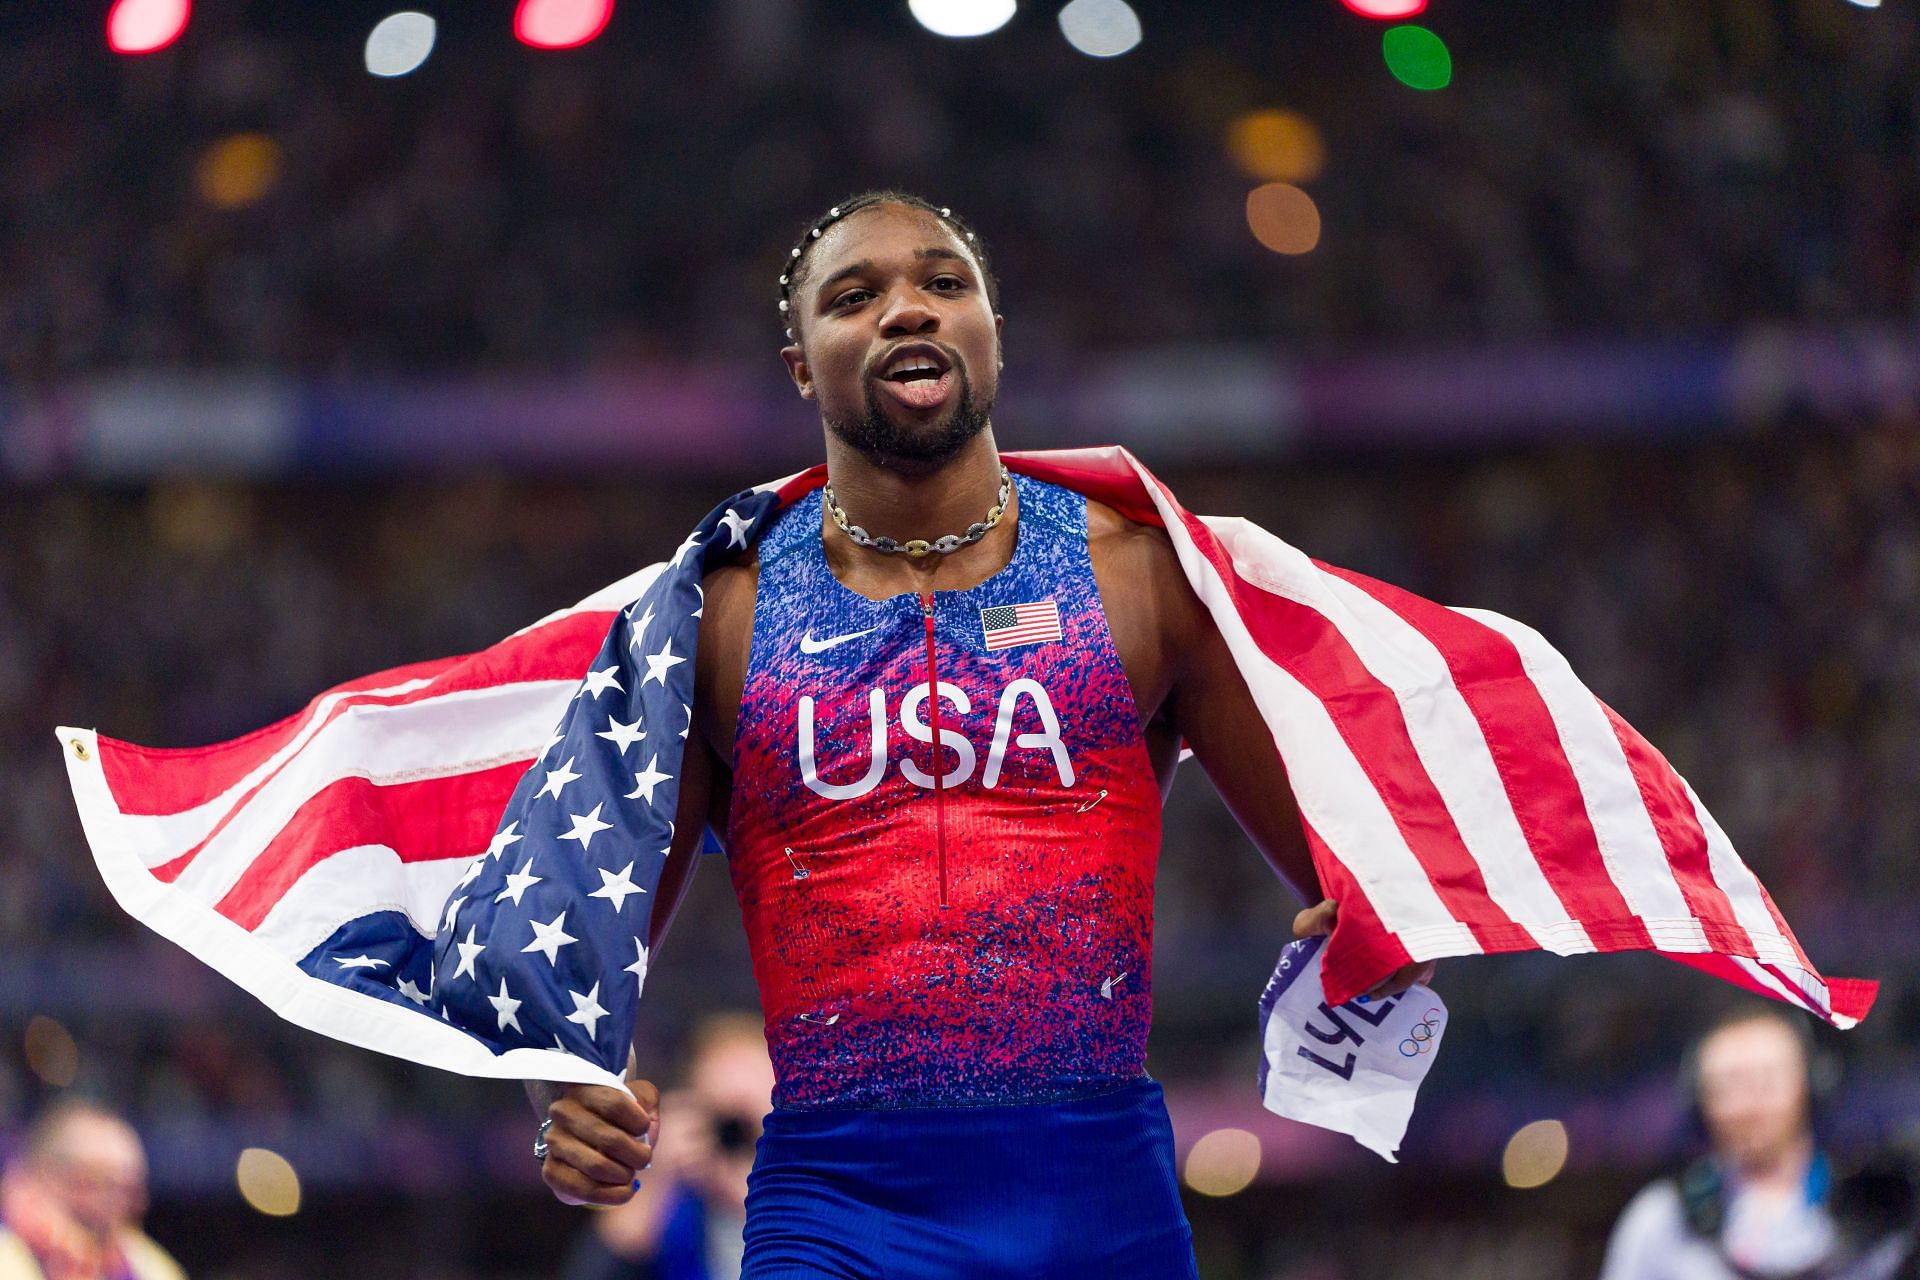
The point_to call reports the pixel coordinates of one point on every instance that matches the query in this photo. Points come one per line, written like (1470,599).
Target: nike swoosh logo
(809,645)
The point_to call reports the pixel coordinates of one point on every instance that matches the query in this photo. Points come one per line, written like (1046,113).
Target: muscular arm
(1188,687)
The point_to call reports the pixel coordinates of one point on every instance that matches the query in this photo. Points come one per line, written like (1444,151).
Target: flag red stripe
(1366,951)
(1525,745)
(451,817)
(1682,839)
(1305,644)
(150,781)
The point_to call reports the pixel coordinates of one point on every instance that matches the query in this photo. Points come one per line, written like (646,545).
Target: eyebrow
(866,264)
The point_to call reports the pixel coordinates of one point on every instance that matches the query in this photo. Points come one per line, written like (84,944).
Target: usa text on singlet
(944,827)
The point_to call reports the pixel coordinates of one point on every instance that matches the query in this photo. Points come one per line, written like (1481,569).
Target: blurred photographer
(1763,1202)
(685,1222)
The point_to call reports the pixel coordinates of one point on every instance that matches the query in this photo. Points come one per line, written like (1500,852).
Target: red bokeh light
(146,26)
(560,24)
(1392,9)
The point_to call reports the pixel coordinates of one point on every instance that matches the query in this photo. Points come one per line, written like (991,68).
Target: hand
(600,1141)
(1317,922)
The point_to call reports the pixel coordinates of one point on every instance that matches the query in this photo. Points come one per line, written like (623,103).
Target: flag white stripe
(339,887)
(1743,891)
(1453,749)
(406,743)
(1630,848)
(1332,790)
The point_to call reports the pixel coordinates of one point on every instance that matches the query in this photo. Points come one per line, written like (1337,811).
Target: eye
(848,298)
(947,284)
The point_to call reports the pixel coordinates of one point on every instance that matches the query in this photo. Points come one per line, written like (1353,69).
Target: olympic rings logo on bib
(1420,1039)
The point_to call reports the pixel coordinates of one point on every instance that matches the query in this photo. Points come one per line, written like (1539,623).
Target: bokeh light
(1283,218)
(1386,8)
(1223,1162)
(1277,146)
(1417,57)
(51,1052)
(1535,1154)
(961,17)
(400,43)
(560,24)
(1100,28)
(146,26)
(238,171)
(268,1182)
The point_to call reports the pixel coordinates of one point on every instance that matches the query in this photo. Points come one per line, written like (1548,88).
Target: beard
(884,442)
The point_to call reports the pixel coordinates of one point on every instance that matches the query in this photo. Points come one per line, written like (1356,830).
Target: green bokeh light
(1417,57)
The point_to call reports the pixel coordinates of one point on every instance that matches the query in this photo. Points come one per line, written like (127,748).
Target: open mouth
(918,375)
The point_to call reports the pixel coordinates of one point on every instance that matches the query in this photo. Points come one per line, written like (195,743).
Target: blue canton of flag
(544,941)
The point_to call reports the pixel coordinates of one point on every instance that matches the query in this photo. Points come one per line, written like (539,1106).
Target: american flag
(458,862)
(1007,625)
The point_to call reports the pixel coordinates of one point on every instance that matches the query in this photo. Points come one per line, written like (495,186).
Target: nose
(908,313)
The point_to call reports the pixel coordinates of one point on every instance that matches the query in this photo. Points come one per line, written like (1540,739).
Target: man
(950,916)
(1757,1204)
(71,1204)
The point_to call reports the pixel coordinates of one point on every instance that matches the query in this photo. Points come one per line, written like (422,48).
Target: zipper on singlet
(939,790)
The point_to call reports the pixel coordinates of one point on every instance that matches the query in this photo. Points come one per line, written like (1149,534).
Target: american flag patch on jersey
(1007,625)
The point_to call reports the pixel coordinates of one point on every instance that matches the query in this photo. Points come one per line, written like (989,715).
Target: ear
(999,350)
(796,361)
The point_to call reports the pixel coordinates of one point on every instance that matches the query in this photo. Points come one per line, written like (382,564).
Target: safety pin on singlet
(799,872)
(1096,800)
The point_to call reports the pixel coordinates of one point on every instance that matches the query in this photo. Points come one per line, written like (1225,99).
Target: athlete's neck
(888,501)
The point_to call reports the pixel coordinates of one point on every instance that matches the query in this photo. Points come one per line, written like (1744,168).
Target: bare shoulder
(729,591)
(1140,563)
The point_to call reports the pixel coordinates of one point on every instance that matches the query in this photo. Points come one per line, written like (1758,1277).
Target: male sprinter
(937,713)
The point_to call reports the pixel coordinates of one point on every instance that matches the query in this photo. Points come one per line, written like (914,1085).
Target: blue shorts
(1076,1190)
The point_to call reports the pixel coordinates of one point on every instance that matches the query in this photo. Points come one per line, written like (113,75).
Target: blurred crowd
(1753,605)
(252,197)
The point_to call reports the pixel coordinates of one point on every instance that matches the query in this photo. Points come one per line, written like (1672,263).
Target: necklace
(914,548)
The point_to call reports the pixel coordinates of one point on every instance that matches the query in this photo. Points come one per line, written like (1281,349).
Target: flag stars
(680,553)
(453,913)
(737,526)
(506,1007)
(620,735)
(549,938)
(598,682)
(559,732)
(658,664)
(586,1009)
(647,779)
(518,882)
(469,952)
(586,826)
(557,779)
(639,966)
(509,835)
(640,625)
(412,992)
(362,962)
(616,888)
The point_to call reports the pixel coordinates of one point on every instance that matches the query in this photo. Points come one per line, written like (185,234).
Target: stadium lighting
(146,26)
(962,17)
(1418,58)
(560,24)
(1866,4)
(1388,9)
(1100,28)
(399,43)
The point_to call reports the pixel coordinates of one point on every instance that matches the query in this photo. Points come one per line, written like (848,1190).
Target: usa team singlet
(943,836)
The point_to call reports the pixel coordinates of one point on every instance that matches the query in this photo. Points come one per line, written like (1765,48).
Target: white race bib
(1353,1068)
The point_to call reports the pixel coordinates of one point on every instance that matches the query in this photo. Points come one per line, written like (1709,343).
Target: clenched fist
(599,1141)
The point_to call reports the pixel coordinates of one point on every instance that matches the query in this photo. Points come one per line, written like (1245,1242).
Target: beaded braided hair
(794,271)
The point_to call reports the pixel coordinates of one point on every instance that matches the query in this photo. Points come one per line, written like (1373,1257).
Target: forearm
(544,1093)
